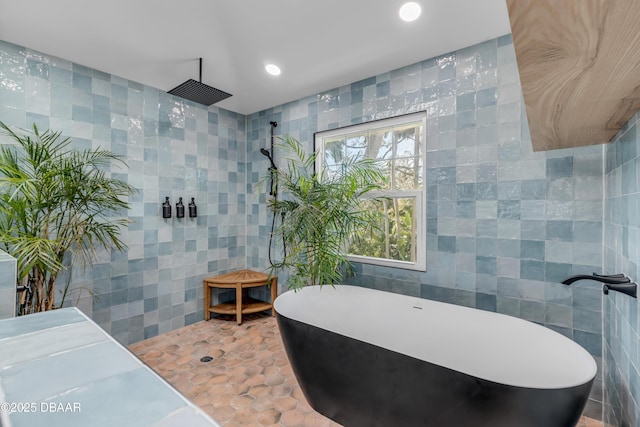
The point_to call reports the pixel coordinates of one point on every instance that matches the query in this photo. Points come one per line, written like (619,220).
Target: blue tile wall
(504,224)
(622,254)
(174,148)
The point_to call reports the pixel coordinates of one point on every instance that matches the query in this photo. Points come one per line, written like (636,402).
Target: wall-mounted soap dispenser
(179,209)
(166,208)
(193,209)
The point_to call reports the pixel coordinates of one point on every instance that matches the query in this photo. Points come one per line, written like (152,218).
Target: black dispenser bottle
(179,209)
(166,208)
(193,209)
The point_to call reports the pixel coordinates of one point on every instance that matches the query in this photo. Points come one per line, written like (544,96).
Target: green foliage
(57,207)
(395,236)
(322,211)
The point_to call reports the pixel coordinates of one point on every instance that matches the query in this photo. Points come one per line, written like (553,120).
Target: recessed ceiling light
(272,69)
(410,11)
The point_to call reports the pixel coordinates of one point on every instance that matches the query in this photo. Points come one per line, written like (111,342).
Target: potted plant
(58,206)
(322,211)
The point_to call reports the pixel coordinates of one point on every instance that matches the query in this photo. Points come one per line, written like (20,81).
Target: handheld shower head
(274,124)
(266,153)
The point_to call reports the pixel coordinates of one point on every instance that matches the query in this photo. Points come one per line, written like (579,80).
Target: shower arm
(274,125)
(274,184)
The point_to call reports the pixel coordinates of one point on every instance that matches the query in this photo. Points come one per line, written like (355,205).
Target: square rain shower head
(199,92)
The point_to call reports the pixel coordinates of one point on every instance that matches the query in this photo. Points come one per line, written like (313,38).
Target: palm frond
(57,205)
(322,212)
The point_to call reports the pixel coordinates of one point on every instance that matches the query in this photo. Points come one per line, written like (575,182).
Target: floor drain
(206,359)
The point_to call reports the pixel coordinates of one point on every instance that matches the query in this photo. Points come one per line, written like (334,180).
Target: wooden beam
(579,63)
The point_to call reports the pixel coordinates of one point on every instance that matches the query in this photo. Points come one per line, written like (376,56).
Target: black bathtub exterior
(359,384)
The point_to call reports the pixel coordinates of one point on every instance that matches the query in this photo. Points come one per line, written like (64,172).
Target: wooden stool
(240,281)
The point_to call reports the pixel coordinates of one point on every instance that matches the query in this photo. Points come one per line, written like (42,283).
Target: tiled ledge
(59,368)
(7,285)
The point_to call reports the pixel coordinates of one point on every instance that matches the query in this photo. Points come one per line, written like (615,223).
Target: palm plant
(58,206)
(321,211)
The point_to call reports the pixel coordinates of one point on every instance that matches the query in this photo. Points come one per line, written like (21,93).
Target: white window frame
(420,263)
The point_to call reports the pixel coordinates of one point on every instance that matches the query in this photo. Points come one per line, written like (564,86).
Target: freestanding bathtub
(370,358)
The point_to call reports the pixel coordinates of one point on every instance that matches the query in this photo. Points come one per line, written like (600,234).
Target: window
(399,144)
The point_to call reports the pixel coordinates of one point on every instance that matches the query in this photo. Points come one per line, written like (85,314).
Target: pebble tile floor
(249,382)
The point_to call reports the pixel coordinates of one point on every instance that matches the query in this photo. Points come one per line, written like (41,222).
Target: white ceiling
(319,45)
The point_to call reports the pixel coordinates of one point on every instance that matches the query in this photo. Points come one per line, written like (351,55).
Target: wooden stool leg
(239,303)
(207,301)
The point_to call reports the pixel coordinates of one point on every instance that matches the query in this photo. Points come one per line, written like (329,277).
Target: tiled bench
(59,368)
